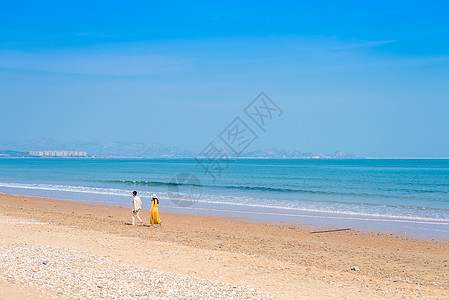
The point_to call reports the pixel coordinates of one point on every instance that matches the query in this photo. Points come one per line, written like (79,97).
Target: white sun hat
(154,196)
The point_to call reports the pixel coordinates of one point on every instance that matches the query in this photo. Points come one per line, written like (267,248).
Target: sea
(399,196)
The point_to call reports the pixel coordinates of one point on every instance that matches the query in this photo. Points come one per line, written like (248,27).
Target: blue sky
(364,77)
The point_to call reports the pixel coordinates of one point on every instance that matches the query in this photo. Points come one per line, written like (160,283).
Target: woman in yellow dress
(154,214)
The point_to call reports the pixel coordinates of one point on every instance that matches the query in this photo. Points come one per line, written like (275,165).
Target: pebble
(79,275)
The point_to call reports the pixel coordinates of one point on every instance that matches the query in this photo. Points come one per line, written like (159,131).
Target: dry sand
(287,262)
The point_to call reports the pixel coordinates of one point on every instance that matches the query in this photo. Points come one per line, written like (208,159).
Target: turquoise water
(414,191)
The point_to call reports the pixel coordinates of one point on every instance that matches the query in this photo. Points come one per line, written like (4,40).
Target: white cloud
(92,63)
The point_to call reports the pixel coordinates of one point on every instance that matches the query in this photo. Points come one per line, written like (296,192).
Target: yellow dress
(154,214)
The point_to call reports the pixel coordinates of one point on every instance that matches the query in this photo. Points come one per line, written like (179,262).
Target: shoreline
(419,228)
(295,262)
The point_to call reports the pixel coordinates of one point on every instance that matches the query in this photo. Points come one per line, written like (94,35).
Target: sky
(368,77)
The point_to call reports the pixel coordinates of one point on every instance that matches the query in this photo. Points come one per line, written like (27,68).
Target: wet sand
(286,261)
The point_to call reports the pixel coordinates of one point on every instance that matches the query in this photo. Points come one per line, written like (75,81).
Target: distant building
(59,153)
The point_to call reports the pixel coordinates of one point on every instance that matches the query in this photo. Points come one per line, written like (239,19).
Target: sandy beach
(62,249)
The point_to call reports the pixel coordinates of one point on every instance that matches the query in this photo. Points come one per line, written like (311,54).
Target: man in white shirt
(137,207)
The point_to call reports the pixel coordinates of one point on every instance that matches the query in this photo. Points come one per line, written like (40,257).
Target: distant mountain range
(142,150)
(280,153)
(98,149)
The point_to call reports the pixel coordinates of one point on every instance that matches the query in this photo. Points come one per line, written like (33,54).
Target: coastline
(420,228)
(239,251)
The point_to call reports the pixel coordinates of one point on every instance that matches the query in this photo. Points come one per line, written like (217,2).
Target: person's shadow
(129,224)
